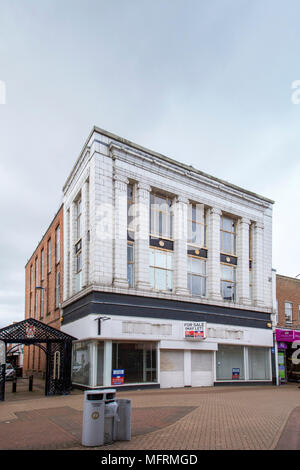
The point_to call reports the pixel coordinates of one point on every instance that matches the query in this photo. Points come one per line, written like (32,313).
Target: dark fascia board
(99,303)
(166,159)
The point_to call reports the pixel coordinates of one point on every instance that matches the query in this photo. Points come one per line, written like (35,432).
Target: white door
(202,368)
(171,368)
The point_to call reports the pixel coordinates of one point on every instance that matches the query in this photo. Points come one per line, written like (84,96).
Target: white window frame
(194,274)
(49,255)
(231,281)
(232,234)
(191,221)
(155,268)
(42,264)
(288,304)
(57,289)
(57,244)
(163,211)
(130,263)
(78,219)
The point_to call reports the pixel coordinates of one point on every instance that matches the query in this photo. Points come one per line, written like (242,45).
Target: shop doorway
(291,365)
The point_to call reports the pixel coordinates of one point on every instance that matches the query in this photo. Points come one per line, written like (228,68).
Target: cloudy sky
(207,82)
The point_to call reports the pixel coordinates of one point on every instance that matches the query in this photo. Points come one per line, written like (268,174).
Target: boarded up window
(201,361)
(171,360)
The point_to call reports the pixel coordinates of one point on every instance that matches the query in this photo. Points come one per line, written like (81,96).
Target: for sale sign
(195,330)
(118,377)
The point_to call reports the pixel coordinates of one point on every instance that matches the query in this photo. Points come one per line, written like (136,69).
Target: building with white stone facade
(167,272)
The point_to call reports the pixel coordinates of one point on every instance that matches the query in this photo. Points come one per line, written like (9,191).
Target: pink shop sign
(287,335)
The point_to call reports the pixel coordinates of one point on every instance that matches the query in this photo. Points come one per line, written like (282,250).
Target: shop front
(141,342)
(101,363)
(172,354)
(243,364)
(288,351)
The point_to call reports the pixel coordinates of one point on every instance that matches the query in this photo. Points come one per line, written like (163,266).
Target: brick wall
(288,290)
(34,358)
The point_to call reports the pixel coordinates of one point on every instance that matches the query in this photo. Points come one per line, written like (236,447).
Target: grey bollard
(93,418)
(123,421)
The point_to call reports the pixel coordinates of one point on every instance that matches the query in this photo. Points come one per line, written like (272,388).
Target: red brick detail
(288,290)
(34,358)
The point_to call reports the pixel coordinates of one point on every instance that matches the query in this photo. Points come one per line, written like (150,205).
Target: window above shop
(196,226)
(228,235)
(228,282)
(196,276)
(288,312)
(161,265)
(161,216)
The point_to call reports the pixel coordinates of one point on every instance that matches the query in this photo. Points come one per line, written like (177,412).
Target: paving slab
(221,418)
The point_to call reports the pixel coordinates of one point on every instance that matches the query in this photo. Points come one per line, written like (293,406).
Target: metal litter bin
(111,407)
(105,419)
(93,418)
(123,420)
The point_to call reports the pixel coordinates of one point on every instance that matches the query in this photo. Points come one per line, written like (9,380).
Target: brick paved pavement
(195,418)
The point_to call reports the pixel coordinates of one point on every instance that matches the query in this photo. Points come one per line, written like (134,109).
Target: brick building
(287,326)
(167,271)
(44,288)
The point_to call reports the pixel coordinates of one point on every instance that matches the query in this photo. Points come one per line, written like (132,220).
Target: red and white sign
(30,331)
(195,330)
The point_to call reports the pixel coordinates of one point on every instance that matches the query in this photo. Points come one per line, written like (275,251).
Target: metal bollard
(14,385)
(30,383)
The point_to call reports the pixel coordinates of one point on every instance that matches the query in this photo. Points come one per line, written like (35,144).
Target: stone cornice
(125,154)
(125,146)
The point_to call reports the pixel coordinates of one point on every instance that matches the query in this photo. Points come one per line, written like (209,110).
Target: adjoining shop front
(147,343)
(288,355)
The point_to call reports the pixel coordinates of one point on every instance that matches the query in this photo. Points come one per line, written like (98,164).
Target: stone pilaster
(180,246)
(102,221)
(73,240)
(258,264)
(84,233)
(142,237)
(243,296)
(66,239)
(120,233)
(213,257)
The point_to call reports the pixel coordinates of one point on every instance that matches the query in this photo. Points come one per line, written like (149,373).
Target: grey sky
(205,82)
